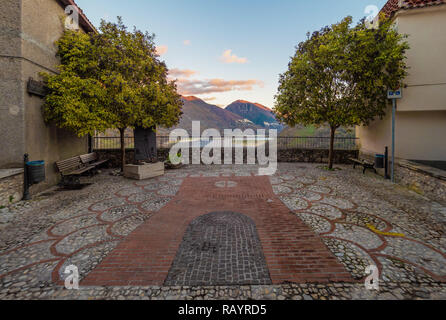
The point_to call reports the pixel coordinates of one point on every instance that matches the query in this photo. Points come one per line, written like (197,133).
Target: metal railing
(283,143)
(340,143)
(112,143)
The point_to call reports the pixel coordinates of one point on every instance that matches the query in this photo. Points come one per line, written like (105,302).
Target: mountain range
(240,114)
(256,113)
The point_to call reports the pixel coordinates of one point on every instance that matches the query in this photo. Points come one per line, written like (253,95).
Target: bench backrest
(69,164)
(87,158)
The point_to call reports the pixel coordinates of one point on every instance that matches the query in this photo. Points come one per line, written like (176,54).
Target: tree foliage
(340,75)
(113,79)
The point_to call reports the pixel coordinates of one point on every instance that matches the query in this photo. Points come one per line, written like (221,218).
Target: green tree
(113,79)
(340,75)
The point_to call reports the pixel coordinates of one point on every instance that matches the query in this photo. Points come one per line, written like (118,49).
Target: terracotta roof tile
(392,6)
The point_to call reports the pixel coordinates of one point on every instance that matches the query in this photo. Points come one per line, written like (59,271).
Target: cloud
(187,42)
(209,98)
(197,87)
(162,50)
(228,57)
(178,73)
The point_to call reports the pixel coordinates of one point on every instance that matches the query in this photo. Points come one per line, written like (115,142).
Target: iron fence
(340,143)
(283,143)
(112,143)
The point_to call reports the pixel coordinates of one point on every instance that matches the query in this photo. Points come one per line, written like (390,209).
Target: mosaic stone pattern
(365,220)
(41,237)
(219,248)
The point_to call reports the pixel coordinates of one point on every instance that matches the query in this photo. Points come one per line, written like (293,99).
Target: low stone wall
(286,155)
(428,181)
(114,156)
(315,155)
(11,186)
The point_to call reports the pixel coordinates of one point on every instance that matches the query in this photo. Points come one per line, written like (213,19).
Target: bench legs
(71,181)
(365,168)
(365,165)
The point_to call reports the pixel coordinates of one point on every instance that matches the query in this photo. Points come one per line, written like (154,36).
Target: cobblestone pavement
(220,248)
(362,219)
(365,220)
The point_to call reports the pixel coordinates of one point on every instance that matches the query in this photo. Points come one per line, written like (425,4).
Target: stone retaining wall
(114,156)
(422,179)
(286,155)
(315,155)
(427,181)
(11,186)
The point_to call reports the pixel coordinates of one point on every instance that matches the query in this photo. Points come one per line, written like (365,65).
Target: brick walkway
(293,252)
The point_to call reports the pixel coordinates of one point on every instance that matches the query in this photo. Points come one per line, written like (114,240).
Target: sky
(226,50)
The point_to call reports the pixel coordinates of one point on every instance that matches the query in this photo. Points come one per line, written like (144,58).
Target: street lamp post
(394,95)
(392,169)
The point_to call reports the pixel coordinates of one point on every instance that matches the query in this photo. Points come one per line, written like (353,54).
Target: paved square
(318,232)
(293,252)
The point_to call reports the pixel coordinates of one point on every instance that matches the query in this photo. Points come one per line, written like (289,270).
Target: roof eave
(393,7)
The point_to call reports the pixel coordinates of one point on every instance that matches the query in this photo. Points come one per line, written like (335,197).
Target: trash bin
(35,171)
(379,161)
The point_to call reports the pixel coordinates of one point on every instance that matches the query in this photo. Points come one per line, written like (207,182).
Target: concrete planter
(145,171)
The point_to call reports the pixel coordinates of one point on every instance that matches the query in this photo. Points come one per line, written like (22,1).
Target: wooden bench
(365,164)
(92,159)
(71,170)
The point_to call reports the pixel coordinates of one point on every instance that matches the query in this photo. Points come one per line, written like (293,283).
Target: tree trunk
(331,152)
(122,134)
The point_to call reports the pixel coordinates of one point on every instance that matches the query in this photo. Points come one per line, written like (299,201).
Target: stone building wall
(12,90)
(27,48)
